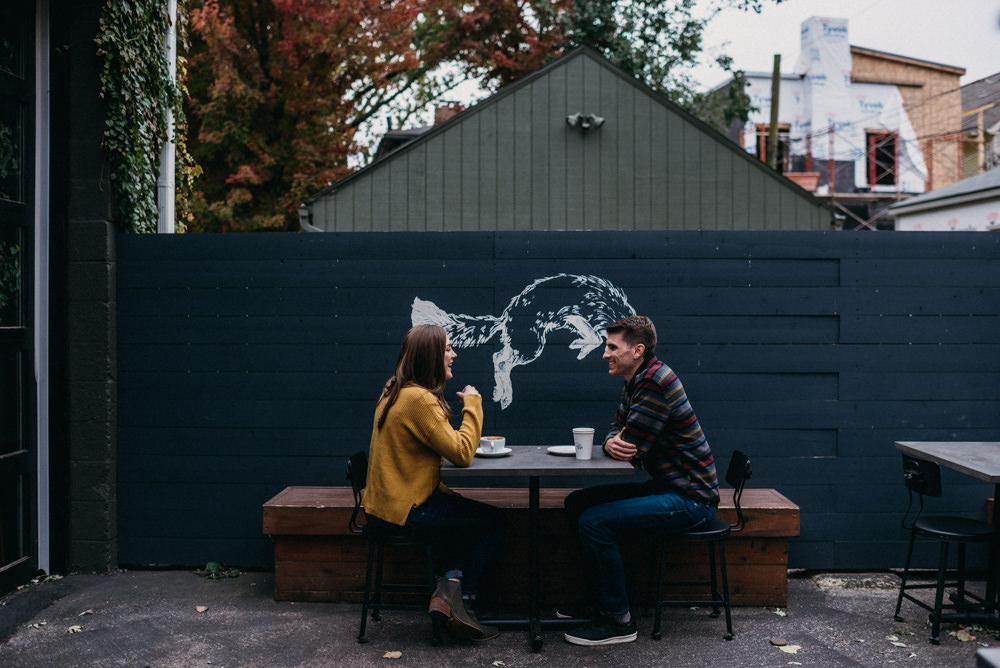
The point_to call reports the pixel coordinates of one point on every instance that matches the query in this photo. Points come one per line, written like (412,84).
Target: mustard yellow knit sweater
(404,457)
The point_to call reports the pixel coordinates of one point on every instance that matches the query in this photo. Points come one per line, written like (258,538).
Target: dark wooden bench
(316,558)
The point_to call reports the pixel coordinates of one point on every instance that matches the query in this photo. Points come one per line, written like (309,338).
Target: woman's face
(449,357)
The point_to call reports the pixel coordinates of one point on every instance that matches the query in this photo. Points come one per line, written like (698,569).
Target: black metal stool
(715,535)
(923,478)
(357,473)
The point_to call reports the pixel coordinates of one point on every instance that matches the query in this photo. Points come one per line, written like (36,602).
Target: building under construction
(860,128)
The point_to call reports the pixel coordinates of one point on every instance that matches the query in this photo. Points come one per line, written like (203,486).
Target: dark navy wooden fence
(252,362)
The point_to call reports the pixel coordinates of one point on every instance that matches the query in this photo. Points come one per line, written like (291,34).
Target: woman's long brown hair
(421,362)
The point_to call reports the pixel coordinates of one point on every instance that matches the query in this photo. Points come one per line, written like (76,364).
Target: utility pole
(772,129)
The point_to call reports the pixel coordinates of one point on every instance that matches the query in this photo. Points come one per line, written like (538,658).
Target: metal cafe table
(533,462)
(979,459)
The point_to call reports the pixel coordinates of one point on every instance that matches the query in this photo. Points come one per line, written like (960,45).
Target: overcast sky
(961,33)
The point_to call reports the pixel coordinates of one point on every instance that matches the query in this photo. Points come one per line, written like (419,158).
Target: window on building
(882,157)
(783,142)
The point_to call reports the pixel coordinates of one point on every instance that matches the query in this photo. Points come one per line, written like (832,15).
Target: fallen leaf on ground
(790,649)
(200,608)
(964,635)
(498,662)
(74,629)
(86,612)
(393,655)
(898,644)
(780,612)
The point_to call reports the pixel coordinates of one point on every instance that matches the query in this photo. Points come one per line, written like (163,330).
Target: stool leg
(725,590)
(435,625)
(906,575)
(377,598)
(939,594)
(362,638)
(713,579)
(659,589)
(960,594)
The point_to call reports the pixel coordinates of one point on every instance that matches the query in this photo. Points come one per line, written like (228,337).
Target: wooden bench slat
(323,511)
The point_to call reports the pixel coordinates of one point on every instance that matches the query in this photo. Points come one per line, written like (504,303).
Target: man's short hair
(635,329)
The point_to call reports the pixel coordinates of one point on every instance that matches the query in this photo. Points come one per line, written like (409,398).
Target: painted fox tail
(465,331)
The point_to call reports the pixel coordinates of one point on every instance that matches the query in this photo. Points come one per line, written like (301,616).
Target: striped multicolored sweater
(656,416)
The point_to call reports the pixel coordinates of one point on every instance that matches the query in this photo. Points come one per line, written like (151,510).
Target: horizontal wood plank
(333,568)
(326,510)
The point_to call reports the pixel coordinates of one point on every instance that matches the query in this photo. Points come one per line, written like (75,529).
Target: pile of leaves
(215,571)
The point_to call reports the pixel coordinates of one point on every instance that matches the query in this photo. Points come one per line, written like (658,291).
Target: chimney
(444,112)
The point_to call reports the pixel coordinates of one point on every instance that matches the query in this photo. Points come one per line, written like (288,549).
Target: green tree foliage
(140,93)
(279,88)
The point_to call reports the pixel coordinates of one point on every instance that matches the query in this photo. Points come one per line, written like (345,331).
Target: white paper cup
(583,439)
(492,444)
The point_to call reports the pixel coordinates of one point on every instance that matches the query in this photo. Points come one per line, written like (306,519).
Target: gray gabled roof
(514,161)
(979,94)
(423,135)
(975,188)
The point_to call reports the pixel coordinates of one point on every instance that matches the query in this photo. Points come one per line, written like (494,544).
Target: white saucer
(562,450)
(503,453)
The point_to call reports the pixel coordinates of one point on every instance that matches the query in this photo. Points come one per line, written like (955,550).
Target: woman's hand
(468,389)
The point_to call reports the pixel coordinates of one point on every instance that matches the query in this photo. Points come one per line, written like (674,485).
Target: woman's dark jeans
(466,533)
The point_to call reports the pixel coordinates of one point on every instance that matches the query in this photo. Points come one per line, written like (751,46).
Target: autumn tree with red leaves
(277,91)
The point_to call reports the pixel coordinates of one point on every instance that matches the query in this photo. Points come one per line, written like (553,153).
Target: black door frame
(18,430)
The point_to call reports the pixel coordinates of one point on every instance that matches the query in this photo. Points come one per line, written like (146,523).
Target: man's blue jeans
(607,514)
(465,532)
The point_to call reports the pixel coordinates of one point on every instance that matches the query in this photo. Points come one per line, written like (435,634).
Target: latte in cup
(492,444)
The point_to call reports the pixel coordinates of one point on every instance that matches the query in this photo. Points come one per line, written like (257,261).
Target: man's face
(623,359)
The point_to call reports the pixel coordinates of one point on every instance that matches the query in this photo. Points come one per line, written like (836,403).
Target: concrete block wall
(90,387)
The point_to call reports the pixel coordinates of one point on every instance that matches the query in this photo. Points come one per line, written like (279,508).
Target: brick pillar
(90,387)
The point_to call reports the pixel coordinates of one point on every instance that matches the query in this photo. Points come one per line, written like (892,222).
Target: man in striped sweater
(656,429)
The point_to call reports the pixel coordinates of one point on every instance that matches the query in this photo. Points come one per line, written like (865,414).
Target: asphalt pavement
(179,618)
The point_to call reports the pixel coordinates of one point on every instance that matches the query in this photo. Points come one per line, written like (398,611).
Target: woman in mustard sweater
(410,435)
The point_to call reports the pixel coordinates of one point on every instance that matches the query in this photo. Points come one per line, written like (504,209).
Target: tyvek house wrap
(825,97)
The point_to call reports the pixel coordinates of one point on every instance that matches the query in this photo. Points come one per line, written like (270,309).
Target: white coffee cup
(583,439)
(492,444)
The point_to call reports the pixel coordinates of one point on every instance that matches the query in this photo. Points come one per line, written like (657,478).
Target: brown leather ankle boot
(448,608)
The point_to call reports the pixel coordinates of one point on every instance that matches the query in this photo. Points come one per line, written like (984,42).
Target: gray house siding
(513,163)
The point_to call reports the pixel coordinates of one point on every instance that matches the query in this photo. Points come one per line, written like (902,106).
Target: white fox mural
(581,304)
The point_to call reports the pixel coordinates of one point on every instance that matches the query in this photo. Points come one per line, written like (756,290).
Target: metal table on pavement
(979,459)
(533,462)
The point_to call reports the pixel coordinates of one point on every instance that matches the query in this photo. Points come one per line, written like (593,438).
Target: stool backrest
(921,476)
(357,474)
(736,476)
